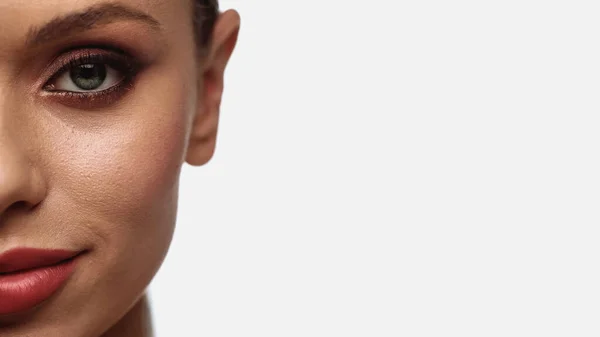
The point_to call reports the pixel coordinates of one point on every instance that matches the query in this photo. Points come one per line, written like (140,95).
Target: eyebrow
(86,19)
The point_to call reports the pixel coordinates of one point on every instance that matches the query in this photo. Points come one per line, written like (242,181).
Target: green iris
(88,76)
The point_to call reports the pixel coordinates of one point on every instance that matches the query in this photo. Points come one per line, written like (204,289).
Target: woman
(101,104)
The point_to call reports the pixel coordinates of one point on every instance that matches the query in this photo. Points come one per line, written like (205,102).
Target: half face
(97,108)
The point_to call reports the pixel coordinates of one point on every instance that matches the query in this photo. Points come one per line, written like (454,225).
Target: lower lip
(21,291)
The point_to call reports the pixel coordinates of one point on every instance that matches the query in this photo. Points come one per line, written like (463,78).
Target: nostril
(19,205)
(22,186)
(16,209)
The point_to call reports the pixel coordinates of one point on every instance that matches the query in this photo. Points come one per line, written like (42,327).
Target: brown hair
(206,13)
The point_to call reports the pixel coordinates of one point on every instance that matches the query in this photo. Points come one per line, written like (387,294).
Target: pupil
(88,76)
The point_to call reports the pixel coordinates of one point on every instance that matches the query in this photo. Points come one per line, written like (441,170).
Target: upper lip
(21,259)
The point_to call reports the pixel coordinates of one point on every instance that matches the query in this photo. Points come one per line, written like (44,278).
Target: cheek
(120,177)
(133,171)
(134,165)
(131,168)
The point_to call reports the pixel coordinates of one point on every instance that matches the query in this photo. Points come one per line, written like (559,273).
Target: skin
(103,177)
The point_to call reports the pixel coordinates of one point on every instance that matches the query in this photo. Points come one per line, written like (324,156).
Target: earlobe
(203,135)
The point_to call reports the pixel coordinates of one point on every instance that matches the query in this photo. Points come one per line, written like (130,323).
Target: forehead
(18,17)
(39,9)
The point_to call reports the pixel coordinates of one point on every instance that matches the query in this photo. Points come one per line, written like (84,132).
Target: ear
(203,136)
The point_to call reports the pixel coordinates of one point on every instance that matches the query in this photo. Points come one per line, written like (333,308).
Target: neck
(136,323)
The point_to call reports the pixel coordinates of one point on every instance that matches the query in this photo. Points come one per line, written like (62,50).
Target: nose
(21,184)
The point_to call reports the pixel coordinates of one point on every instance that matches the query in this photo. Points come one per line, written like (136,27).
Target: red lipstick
(30,276)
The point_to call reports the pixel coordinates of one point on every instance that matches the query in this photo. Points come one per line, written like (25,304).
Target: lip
(30,276)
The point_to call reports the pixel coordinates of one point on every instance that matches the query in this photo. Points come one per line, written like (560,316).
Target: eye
(89,77)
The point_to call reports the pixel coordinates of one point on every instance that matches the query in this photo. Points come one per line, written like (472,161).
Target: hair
(206,13)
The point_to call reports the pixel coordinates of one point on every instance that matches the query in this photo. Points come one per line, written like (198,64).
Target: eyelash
(127,67)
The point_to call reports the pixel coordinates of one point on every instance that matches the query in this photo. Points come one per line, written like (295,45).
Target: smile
(28,277)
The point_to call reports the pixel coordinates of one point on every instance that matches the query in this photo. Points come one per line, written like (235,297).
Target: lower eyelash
(89,100)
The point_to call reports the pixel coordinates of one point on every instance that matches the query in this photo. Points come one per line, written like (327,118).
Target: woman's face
(100,105)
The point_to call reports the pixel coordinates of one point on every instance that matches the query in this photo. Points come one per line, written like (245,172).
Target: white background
(397,168)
